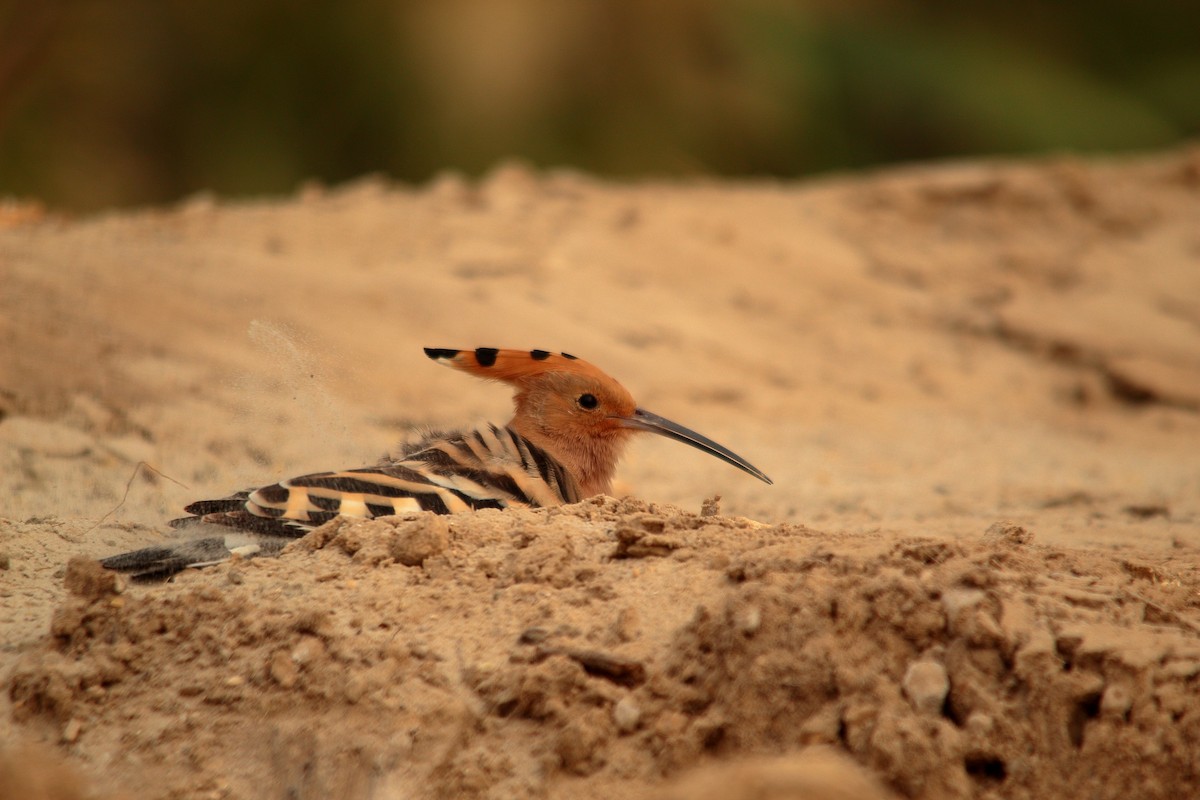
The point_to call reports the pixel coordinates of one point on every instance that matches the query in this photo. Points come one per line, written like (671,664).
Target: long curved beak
(643,420)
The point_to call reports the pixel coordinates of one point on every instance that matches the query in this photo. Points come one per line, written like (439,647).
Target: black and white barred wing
(490,467)
(493,467)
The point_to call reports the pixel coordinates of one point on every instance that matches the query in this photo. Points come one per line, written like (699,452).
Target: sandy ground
(977,387)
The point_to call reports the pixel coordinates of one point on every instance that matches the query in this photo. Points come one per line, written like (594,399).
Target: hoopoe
(570,426)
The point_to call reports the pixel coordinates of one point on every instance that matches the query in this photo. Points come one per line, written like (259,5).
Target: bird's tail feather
(154,564)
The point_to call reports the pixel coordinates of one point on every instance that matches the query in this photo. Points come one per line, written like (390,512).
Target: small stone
(1116,701)
(626,626)
(749,620)
(626,715)
(283,670)
(71,731)
(711,506)
(926,686)
(235,680)
(309,649)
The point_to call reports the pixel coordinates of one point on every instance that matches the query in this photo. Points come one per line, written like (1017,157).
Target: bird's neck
(591,461)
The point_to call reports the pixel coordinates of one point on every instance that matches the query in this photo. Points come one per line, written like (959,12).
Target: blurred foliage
(107,102)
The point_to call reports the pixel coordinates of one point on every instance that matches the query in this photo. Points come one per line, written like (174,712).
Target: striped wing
(489,467)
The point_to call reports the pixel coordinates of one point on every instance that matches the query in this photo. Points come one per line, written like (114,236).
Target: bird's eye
(588,401)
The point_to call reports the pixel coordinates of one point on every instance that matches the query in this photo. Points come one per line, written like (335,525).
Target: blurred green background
(119,102)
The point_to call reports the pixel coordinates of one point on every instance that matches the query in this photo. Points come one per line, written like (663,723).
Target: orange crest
(514,366)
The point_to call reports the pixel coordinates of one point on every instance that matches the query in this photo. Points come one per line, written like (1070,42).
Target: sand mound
(625,642)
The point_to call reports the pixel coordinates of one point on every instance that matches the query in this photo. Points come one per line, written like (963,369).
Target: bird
(570,426)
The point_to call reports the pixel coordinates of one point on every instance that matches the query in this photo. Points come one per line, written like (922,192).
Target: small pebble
(627,715)
(749,620)
(926,686)
(283,670)
(309,649)
(72,730)
(1115,702)
(354,689)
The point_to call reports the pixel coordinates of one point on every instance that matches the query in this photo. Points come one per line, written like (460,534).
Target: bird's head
(575,411)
